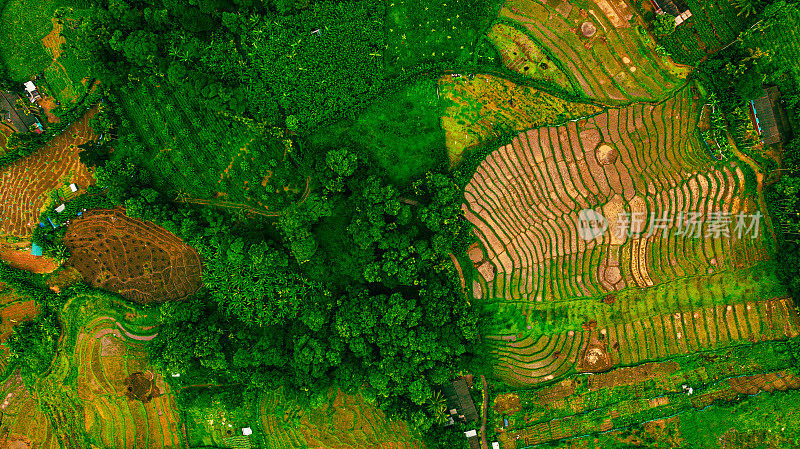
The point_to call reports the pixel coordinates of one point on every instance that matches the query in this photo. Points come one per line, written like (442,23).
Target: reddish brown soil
(48,104)
(139,260)
(20,257)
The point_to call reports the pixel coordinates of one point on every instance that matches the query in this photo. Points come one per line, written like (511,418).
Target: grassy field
(401,132)
(420,32)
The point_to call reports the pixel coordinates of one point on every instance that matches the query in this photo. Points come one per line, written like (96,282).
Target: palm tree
(437,406)
(746,7)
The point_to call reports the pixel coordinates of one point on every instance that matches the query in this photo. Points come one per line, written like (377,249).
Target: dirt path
(484,409)
(246,207)
(762,205)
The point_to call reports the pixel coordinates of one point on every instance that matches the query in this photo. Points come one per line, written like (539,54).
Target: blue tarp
(41,224)
(36,250)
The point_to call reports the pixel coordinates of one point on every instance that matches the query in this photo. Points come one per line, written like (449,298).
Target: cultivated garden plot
(597,44)
(587,403)
(139,260)
(344,421)
(101,389)
(25,426)
(25,184)
(482,107)
(571,297)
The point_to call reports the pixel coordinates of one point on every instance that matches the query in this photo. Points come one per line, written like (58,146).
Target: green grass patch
(766,420)
(401,132)
(23,24)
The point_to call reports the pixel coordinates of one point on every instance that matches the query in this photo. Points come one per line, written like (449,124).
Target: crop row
(106,357)
(535,359)
(525,198)
(615,65)
(26,183)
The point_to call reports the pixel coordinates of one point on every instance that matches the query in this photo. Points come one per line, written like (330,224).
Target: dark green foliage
(33,345)
(664,24)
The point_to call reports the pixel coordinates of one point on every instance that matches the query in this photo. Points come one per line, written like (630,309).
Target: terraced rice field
(571,304)
(97,359)
(26,183)
(613,65)
(484,107)
(522,55)
(585,404)
(25,426)
(346,421)
(139,260)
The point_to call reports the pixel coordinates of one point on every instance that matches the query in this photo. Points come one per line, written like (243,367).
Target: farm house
(677,8)
(32,92)
(769,118)
(459,401)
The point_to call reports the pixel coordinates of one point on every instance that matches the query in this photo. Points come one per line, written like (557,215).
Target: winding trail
(762,205)
(245,207)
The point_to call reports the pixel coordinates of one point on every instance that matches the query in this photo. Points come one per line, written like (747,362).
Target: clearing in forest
(344,421)
(26,183)
(483,107)
(139,260)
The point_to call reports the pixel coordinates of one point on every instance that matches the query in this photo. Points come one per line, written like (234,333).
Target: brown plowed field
(139,260)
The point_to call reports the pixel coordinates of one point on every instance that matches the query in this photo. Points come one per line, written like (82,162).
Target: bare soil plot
(19,256)
(137,259)
(486,106)
(25,183)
